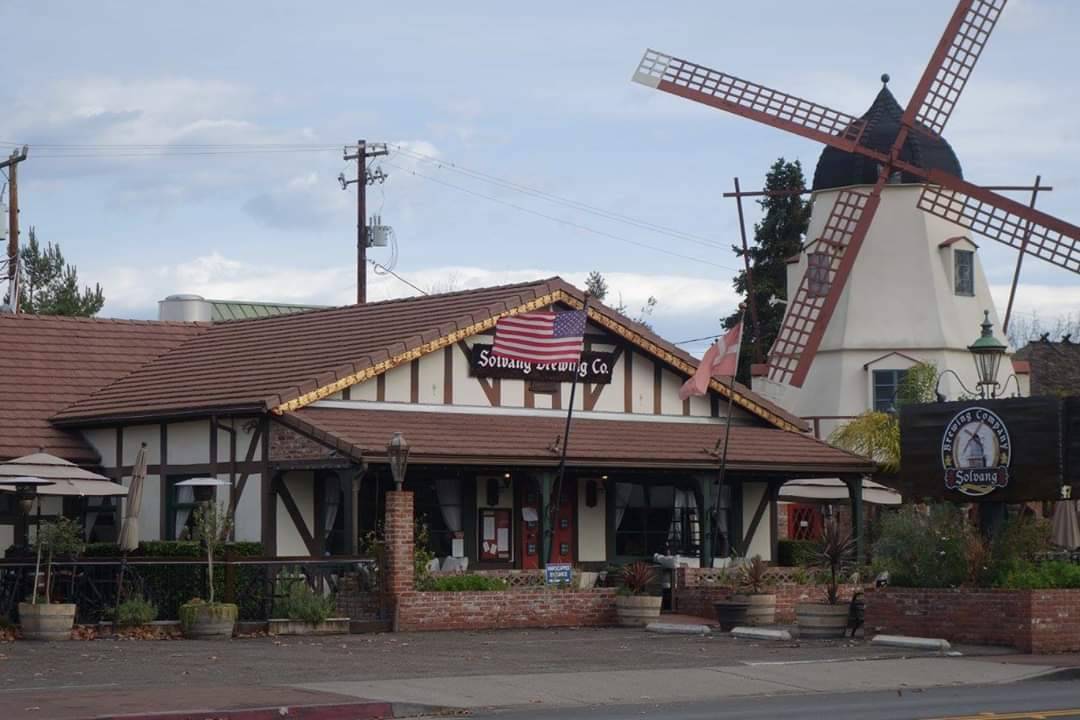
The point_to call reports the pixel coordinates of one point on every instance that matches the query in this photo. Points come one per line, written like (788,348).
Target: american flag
(541,337)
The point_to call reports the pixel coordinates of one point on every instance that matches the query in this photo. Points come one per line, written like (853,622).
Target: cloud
(303,202)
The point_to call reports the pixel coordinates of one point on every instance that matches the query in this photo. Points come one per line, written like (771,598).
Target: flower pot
(731,612)
(761,610)
(820,620)
(202,621)
(637,610)
(44,621)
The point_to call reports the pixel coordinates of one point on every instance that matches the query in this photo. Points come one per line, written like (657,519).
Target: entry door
(531,539)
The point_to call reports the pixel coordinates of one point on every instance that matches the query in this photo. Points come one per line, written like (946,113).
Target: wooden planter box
(330,626)
(46,621)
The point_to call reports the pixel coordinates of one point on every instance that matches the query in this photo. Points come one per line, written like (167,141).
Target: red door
(532,541)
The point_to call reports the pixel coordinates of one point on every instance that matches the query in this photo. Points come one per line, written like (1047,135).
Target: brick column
(398,530)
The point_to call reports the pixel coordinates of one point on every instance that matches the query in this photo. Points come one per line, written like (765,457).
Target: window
(653,519)
(101,519)
(964,272)
(817,274)
(886,385)
(438,508)
(180,504)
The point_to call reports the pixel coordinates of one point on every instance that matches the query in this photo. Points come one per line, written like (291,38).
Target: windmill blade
(952,62)
(809,313)
(750,100)
(1000,218)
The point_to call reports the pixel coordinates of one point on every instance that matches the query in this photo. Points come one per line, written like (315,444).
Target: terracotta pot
(820,620)
(201,621)
(761,610)
(637,610)
(731,612)
(44,621)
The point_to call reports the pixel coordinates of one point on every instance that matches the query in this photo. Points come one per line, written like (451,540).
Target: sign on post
(558,574)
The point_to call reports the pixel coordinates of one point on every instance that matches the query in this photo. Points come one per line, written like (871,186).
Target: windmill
(944,194)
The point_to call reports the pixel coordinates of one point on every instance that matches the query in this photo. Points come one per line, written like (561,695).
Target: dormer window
(964,272)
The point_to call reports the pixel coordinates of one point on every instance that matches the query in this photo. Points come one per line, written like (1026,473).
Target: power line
(558,199)
(382,269)
(560,220)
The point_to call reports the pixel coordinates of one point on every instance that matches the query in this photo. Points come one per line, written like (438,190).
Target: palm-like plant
(833,555)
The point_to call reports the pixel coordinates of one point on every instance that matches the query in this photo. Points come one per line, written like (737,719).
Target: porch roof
(495,438)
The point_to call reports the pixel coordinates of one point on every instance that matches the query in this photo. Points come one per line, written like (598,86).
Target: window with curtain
(886,385)
(436,503)
(180,507)
(964,263)
(655,518)
(101,519)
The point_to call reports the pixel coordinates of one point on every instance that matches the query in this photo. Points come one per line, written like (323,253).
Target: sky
(195,147)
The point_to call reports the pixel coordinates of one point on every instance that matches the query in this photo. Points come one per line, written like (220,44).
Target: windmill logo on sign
(976,452)
(945,195)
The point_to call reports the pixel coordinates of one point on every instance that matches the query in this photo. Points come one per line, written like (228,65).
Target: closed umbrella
(1065,525)
(129,531)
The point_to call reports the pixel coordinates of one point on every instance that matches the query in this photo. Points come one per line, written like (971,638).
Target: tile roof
(264,363)
(48,363)
(225,310)
(1054,367)
(492,438)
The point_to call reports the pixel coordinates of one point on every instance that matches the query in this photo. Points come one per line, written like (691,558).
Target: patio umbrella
(1066,525)
(47,467)
(831,490)
(129,530)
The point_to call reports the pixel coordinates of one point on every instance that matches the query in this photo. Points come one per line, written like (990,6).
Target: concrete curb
(365,710)
(756,633)
(914,643)
(678,629)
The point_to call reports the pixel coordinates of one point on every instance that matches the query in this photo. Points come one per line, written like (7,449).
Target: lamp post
(397,452)
(988,352)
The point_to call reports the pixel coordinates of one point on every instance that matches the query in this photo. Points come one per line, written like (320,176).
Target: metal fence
(96,586)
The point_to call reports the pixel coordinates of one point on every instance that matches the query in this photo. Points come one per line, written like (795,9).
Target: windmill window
(886,386)
(964,264)
(817,274)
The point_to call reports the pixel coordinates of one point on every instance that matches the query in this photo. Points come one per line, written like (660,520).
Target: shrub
(136,611)
(303,603)
(1051,575)
(637,578)
(465,583)
(754,577)
(924,549)
(795,553)
(1015,549)
(833,556)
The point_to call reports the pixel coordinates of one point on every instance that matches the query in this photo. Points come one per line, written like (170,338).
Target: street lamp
(397,452)
(987,351)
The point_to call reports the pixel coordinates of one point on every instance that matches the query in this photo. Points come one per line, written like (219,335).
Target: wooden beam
(628,383)
(448,376)
(657,387)
(163,479)
(282,489)
(414,381)
(755,521)
(380,388)
(267,496)
(119,472)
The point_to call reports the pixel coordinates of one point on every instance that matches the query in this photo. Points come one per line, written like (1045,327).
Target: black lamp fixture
(26,490)
(988,352)
(397,452)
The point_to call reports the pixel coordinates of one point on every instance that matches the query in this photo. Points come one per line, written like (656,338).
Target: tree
(596,285)
(598,289)
(778,236)
(50,286)
(212,525)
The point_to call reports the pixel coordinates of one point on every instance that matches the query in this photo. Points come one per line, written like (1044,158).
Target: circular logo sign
(975,452)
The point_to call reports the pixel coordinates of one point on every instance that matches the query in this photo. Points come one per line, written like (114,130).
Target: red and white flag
(541,337)
(722,358)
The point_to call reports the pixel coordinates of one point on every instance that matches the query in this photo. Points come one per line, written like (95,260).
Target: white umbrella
(75,488)
(203,482)
(1066,525)
(129,530)
(47,467)
(835,490)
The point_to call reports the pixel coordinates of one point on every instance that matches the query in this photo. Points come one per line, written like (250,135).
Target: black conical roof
(836,168)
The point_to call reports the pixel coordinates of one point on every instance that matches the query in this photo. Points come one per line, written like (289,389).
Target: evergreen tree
(596,285)
(50,286)
(778,236)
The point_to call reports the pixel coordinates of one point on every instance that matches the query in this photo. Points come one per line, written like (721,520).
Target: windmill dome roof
(836,168)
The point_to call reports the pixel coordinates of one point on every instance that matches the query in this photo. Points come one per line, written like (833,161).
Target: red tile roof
(517,438)
(48,363)
(264,363)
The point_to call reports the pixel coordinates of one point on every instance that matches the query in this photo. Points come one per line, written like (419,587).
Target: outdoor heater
(397,452)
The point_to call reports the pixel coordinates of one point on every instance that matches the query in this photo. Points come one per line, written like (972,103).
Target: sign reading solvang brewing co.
(595,367)
(1007,450)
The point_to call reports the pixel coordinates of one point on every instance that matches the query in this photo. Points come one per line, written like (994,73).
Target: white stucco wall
(761,542)
(592,524)
(301,486)
(248,518)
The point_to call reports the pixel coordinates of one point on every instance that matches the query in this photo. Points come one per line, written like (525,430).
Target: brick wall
(1035,621)
(523,608)
(287,444)
(355,601)
(698,588)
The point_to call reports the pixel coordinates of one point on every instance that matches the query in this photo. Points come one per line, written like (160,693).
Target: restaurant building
(295,411)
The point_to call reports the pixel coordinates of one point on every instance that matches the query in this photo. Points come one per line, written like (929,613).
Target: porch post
(546,480)
(854,484)
(349,480)
(398,533)
(704,483)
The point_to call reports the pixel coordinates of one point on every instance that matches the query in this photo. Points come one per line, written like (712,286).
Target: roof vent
(184,307)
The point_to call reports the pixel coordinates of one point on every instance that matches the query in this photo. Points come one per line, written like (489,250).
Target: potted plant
(755,582)
(828,619)
(637,605)
(303,611)
(206,619)
(731,609)
(41,618)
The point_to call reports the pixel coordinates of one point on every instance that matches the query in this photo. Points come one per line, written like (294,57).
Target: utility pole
(12,164)
(364,177)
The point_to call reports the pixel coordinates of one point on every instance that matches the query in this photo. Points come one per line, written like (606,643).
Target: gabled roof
(286,362)
(48,363)
(438,436)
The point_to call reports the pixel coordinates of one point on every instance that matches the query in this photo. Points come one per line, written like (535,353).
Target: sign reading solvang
(1007,450)
(595,367)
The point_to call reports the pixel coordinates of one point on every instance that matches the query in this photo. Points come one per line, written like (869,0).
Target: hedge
(796,553)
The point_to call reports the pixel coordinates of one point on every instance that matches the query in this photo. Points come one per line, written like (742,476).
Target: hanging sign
(595,367)
(1007,450)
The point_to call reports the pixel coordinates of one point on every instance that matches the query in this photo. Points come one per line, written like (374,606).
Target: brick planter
(525,608)
(1033,621)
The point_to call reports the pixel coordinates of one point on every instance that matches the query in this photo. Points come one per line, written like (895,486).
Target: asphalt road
(1058,699)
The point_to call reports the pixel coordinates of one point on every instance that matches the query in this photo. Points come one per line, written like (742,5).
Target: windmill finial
(885,78)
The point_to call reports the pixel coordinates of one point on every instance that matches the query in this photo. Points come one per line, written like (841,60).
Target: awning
(825,490)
